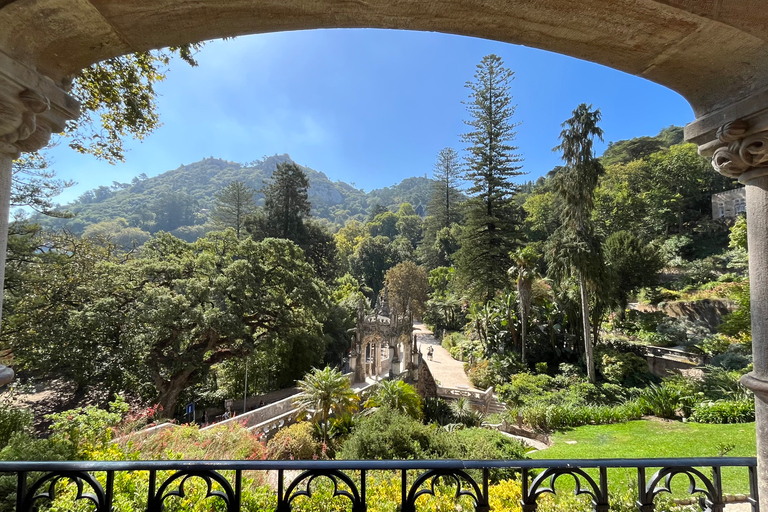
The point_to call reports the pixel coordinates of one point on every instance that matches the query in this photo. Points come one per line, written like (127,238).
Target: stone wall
(427,387)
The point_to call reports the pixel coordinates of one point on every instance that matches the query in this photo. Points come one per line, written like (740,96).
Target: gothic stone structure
(712,52)
(729,204)
(382,343)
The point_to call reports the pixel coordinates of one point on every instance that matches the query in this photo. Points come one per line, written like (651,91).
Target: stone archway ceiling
(710,51)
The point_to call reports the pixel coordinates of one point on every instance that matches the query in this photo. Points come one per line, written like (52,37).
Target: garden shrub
(22,446)
(387,434)
(482,444)
(295,442)
(569,370)
(228,441)
(437,410)
(617,367)
(13,419)
(721,384)
(725,411)
(656,339)
(548,418)
(635,321)
(524,386)
(716,344)
(683,331)
(480,375)
(453,339)
(731,361)
(661,400)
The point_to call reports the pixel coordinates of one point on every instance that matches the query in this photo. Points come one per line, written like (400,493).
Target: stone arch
(677,43)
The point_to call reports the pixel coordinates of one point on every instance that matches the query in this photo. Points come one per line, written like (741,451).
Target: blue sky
(366,106)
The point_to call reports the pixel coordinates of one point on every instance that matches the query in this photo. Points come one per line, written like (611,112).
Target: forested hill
(180,200)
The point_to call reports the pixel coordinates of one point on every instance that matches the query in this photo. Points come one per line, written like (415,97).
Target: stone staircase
(495,406)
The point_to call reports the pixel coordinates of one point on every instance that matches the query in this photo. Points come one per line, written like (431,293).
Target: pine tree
(491,225)
(445,200)
(233,205)
(286,202)
(574,250)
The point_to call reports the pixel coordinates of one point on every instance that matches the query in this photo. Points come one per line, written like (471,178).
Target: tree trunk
(169,392)
(169,397)
(588,354)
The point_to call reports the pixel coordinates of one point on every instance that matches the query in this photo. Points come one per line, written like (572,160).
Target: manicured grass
(652,439)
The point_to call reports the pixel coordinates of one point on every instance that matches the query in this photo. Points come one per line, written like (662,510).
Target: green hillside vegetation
(180,201)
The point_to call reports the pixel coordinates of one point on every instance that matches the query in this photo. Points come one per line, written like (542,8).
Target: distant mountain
(181,200)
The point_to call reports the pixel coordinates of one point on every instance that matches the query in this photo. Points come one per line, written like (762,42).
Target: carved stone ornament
(29,133)
(740,153)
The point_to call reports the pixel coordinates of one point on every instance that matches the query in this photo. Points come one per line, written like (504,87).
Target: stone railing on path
(477,397)
(264,414)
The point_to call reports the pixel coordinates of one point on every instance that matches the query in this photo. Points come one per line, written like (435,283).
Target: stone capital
(742,152)
(735,137)
(32,107)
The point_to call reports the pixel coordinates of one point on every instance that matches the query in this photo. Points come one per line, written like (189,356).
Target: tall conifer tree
(491,217)
(574,250)
(445,200)
(286,202)
(233,205)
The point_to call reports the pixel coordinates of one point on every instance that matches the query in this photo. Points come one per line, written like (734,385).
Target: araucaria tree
(233,205)
(491,220)
(574,250)
(446,198)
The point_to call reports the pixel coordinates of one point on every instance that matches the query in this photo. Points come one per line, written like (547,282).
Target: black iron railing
(37,481)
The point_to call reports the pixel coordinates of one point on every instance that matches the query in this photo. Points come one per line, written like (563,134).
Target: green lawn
(652,439)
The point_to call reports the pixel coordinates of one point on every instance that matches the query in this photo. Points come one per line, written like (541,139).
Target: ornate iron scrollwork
(712,502)
(537,488)
(435,475)
(98,497)
(285,503)
(156,503)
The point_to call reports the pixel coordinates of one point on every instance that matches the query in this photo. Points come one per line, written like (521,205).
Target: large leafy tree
(574,249)
(234,203)
(633,263)
(324,392)
(162,318)
(408,287)
(34,185)
(370,261)
(118,100)
(491,217)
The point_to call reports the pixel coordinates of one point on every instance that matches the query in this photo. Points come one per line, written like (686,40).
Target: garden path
(448,372)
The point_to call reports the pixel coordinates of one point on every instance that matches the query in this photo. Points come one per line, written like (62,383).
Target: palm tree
(524,269)
(575,249)
(323,392)
(398,396)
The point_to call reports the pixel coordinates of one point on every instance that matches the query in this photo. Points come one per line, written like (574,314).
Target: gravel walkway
(447,371)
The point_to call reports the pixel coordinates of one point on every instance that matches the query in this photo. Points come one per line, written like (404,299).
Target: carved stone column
(741,152)
(31,108)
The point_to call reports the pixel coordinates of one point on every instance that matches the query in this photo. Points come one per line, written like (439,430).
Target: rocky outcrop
(707,311)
